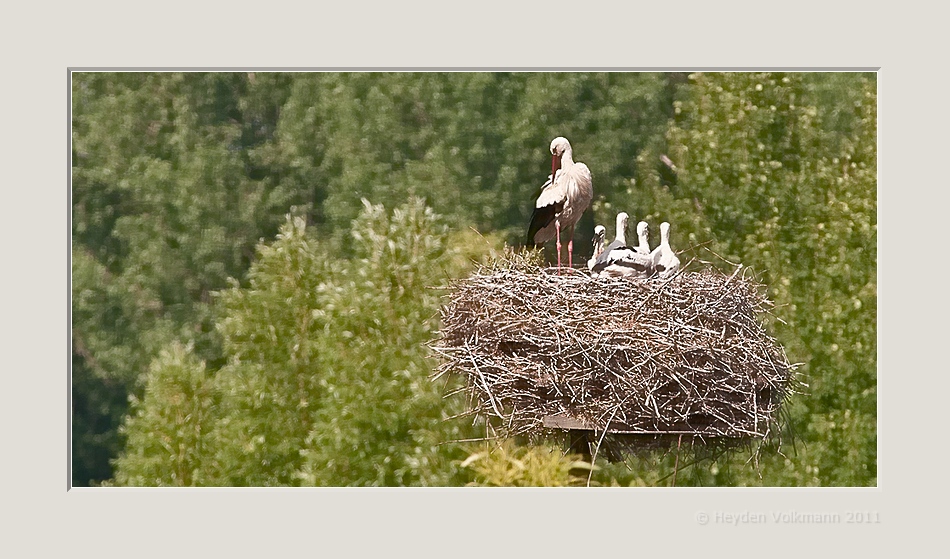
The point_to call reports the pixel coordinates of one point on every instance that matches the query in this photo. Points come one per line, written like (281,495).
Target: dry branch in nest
(640,360)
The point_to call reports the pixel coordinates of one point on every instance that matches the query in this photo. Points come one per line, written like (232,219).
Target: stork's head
(665,231)
(600,234)
(622,219)
(559,145)
(643,230)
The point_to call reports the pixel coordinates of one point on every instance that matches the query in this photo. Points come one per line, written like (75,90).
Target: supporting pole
(677,464)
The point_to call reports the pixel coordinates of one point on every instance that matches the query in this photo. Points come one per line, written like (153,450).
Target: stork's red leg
(570,248)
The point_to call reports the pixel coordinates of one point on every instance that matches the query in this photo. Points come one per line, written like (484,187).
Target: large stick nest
(687,355)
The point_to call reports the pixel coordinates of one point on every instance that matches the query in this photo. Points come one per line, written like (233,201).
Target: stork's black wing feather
(541,218)
(634,265)
(623,257)
(606,259)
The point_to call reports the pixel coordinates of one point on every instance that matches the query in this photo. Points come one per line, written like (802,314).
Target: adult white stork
(664,259)
(600,233)
(620,260)
(563,200)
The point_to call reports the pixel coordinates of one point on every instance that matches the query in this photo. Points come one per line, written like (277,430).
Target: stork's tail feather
(529,240)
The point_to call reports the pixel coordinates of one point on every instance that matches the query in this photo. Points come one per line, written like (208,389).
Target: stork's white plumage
(600,234)
(664,259)
(620,239)
(564,198)
(620,260)
(643,235)
(619,242)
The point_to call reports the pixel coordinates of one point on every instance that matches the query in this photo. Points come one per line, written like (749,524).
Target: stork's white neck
(622,228)
(567,159)
(642,235)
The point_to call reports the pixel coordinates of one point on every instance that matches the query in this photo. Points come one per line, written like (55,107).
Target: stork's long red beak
(555,165)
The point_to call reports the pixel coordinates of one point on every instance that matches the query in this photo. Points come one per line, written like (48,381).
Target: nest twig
(650,358)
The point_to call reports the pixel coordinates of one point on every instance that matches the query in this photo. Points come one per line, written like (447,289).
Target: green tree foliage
(168,433)
(117,328)
(382,420)
(511,465)
(272,333)
(313,354)
(474,144)
(164,211)
(327,376)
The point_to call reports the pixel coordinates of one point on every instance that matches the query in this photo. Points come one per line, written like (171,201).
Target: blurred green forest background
(256,260)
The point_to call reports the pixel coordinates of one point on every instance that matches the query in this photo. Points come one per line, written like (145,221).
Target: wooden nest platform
(644,361)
